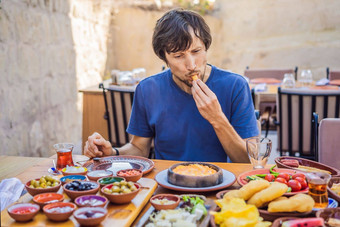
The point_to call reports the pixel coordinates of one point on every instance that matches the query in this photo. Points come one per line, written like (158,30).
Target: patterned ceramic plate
(145,164)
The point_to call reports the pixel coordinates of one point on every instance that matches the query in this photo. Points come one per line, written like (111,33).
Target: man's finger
(204,88)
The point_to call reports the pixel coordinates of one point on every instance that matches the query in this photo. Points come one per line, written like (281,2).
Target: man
(207,119)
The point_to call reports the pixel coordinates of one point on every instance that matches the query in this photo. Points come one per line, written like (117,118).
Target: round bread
(195,181)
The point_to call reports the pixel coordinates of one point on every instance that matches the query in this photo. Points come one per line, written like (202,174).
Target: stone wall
(259,34)
(48,50)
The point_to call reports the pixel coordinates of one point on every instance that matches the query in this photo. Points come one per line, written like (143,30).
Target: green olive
(126,190)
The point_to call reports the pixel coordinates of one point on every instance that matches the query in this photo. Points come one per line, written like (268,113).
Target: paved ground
(273,136)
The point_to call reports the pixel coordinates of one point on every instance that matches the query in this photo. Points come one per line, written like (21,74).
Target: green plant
(201,6)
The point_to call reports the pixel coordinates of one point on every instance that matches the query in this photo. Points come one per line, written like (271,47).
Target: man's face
(184,64)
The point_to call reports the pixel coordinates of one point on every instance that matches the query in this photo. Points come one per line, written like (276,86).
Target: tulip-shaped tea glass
(288,81)
(317,184)
(258,149)
(64,155)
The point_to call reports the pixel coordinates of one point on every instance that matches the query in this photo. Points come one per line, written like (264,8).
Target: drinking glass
(306,78)
(258,149)
(288,81)
(64,154)
(317,184)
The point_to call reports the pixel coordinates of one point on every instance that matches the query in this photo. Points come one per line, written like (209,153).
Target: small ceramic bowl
(72,193)
(47,198)
(120,198)
(70,178)
(22,212)
(130,174)
(59,211)
(329,213)
(97,174)
(109,180)
(91,201)
(35,191)
(90,216)
(77,170)
(165,201)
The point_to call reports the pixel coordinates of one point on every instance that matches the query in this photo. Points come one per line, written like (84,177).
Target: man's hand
(206,101)
(97,146)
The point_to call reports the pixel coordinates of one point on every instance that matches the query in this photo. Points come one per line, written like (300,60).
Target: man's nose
(190,63)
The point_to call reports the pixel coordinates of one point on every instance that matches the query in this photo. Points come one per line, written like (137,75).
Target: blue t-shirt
(163,111)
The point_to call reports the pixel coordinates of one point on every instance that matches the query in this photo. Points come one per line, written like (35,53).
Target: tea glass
(258,149)
(317,184)
(64,155)
(288,81)
(306,78)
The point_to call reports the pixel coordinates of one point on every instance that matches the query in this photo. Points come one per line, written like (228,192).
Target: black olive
(81,187)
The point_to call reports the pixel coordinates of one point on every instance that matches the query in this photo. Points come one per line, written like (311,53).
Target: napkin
(260,87)
(10,191)
(323,81)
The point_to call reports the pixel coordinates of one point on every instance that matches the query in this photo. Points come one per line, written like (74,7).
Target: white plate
(228,180)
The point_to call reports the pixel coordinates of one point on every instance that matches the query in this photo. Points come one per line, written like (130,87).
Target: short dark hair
(172,32)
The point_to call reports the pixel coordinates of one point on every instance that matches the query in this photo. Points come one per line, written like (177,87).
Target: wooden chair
(269,73)
(329,142)
(296,136)
(332,74)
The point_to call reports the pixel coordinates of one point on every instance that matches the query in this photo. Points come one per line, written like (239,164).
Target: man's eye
(196,51)
(178,56)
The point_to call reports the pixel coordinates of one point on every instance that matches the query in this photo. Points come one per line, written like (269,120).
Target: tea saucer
(57,172)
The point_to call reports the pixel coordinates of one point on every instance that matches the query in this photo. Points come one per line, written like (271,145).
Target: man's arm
(97,146)
(210,108)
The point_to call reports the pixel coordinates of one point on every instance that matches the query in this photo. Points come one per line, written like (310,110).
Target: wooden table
(40,166)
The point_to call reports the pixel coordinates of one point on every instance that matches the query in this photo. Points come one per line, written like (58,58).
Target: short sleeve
(138,124)
(242,113)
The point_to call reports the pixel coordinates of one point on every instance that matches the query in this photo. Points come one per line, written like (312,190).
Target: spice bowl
(165,201)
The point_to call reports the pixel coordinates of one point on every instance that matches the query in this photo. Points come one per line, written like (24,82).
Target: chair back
(269,73)
(295,110)
(329,141)
(332,74)
(118,104)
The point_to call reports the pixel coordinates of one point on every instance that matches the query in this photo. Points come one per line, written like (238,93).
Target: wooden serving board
(118,215)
